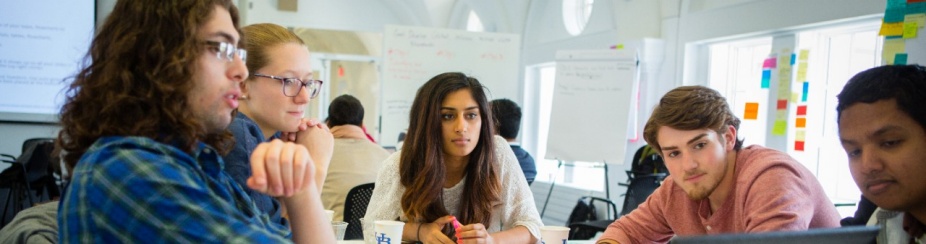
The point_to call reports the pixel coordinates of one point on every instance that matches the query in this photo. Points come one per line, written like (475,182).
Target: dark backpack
(583,211)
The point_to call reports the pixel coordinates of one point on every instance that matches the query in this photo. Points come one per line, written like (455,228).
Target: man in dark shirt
(508,120)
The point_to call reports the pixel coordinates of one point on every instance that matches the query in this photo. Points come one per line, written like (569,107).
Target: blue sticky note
(804,94)
(793,58)
(896,3)
(894,15)
(900,59)
(916,8)
(766,77)
(893,37)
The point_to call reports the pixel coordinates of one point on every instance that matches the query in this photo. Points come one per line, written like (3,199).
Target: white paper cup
(330,215)
(554,234)
(388,231)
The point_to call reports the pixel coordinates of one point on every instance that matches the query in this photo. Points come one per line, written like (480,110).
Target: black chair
(646,174)
(30,178)
(584,228)
(355,207)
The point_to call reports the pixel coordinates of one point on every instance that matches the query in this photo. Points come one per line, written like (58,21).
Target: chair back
(640,187)
(355,207)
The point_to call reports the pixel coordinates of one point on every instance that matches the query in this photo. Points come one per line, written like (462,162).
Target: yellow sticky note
(919,19)
(891,29)
(800,135)
(795,97)
(800,123)
(804,55)
(780,127)
(752,111)
(891,48)
(802,72)
(781,114)
(784,61)
(909,30)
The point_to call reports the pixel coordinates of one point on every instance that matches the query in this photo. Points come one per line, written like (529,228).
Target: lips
(232,99)
(296,113)
(695,177)
(460,141)
(876,187)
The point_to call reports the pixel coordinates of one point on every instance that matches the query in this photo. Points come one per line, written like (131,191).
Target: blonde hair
(691,108)
(259,38)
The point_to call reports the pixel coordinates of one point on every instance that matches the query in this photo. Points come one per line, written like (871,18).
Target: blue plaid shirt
(137,190)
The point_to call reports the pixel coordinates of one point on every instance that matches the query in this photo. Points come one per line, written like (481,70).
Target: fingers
(286,169)
(258,179)
(272,165)
(300,162)
(474,233)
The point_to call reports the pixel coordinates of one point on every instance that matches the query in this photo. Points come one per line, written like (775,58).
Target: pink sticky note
(769,63)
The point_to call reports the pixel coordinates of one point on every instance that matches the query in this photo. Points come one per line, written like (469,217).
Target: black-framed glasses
(226,51)
(292,86)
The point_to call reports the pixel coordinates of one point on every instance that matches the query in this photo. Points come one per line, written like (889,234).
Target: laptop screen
(844,235)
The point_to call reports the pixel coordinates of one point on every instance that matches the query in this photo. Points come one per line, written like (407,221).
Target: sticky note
(784,83)
(802,110)
(896,3)
(752,111)
(781,114)
(916,8)
(805,91)
(800,135)
(919,19)
(805,54)
(891,29)
(793,59)
(891,48)
(900,59)
(802,71)
(782,104)
(769,63)
(909,30)
(799,146)
(766,78)
(780,127)
(784,60)
(893,15)
(795,97)
(915,1)
(800,123)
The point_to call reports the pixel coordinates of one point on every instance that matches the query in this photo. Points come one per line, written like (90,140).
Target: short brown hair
(259,38)
(691,108)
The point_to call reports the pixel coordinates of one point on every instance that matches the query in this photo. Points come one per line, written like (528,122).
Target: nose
(238,70)
(871,161)
(460,125)
(303,96)
(688,163)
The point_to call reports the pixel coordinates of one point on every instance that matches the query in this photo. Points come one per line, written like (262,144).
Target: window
(575,15)
(836,53)
(473,23)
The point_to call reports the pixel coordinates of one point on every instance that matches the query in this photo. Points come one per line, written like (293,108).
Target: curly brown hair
(139,75)
(691,108)
(422,161)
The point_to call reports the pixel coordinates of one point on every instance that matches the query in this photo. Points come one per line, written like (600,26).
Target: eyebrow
(879,132)
(688,143)
(228,37)
(454,109)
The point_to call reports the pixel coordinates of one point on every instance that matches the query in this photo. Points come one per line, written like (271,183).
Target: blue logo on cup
(382,239)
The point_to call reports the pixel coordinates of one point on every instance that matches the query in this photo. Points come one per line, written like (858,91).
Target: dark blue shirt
(137,190)
(527,163)
(238,163)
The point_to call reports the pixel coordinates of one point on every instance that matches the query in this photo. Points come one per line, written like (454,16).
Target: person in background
(452,168)
(272,104)
(508,115)
(882,127)
(715,185)
(143,128)
(356,159)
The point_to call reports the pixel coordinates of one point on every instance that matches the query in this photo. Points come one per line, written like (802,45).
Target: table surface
(570,242)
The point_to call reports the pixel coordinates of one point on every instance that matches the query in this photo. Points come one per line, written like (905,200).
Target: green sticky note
(780,127)
(909,30)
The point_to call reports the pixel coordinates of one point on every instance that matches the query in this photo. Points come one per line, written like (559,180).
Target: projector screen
(42,43)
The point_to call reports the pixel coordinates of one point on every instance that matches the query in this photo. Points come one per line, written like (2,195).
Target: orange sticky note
(752,111)
(800,123)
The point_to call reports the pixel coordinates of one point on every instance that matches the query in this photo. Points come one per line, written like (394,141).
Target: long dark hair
(421,166)
(139,76)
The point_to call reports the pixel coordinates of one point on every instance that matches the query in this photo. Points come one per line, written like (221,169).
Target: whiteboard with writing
(593,96)
(413,55)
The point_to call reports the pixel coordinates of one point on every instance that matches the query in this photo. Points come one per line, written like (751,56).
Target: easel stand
(559,165)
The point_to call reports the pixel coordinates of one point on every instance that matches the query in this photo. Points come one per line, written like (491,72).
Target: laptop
(844,235)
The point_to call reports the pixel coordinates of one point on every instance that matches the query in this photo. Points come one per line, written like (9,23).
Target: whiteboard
(415,54)
(593,105)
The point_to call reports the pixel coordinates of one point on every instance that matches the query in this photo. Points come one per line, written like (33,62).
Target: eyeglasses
(292,86)
(226,51)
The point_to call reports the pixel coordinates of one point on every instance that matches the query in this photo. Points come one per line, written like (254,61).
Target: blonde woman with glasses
(272,107)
